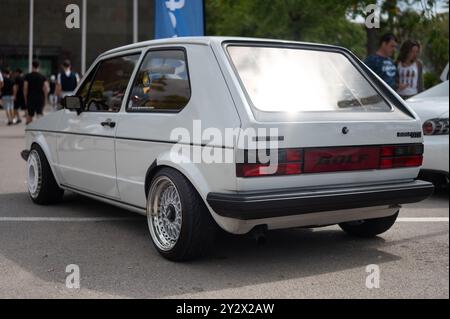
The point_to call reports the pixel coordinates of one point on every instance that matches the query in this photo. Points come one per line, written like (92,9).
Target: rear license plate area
(319,160)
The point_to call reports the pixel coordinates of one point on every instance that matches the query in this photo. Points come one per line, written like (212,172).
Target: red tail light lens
(397,156)
(387,151)
(437,126)
(408,161)
(255,170)
(428,128)
(288,162)
(336,159)
(293,155)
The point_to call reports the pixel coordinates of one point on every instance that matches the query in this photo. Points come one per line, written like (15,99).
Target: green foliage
(300,20)
(430,79)
(436,43)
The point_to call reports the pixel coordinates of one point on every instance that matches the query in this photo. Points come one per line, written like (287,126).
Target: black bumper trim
(256,205)
(24,154)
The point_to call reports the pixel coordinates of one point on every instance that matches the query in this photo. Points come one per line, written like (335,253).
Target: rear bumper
(268,204)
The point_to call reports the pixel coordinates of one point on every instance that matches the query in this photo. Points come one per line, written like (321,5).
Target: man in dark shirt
(7,95)
(19,98)
(35,91)
(381,62)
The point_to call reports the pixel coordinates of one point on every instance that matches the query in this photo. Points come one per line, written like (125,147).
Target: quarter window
(109,84)
(162,82)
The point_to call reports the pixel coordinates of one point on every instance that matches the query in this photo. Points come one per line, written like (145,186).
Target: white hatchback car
(242,133)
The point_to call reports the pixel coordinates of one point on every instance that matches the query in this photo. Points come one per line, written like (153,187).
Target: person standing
(1,85)
(35,91)
(381,62)
(67,80)
(52,97)
(8,95)
(19,99)
(410,70)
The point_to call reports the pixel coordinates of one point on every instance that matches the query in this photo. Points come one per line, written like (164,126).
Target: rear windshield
(299,80)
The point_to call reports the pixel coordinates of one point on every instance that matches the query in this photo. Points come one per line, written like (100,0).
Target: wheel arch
(191,173)
(41,142)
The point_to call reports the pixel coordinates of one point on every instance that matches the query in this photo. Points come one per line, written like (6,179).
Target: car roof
(206,40)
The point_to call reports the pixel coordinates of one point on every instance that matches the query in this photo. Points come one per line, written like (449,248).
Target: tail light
(396,156)
(331,159)
(436,127)
(288,162)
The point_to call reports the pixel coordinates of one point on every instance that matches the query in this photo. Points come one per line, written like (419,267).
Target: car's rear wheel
(369,227)
(41,183)
(180,225)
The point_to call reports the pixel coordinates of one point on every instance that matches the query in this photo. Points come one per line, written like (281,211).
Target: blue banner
(178,18)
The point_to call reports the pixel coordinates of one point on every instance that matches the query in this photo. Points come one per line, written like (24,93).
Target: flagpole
(135,21)
(83,37)
(31,36)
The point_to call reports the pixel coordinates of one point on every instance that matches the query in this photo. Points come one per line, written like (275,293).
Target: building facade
(109,25)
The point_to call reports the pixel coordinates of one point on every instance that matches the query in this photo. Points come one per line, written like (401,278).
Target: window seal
(95,70)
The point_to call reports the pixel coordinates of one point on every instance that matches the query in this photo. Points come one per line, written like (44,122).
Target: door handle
(109,123)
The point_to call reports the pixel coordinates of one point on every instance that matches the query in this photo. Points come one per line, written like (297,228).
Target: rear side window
(278,79)
(162,83)
(108,86)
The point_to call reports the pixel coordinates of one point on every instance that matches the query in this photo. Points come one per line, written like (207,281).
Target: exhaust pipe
(259,234)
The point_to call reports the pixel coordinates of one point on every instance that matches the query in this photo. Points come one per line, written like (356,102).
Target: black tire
(47,190)
(370,227)
(198,228)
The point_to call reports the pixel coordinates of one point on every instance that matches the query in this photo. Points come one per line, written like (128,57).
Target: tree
(300,20)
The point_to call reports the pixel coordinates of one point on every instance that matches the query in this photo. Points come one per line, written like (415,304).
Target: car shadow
(117,257)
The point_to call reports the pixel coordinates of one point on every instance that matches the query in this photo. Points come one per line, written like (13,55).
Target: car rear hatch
(316,116)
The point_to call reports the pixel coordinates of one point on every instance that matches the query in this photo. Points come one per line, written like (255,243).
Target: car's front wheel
(180,225)
(41,183)
(369,227)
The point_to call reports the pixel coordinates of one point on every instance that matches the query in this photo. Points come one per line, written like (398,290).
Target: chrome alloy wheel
(34,174)
(164,213)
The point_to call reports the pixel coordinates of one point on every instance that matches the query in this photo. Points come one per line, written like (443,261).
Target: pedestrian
(8,95)
(1,85)
(19,98)
(35,91)
(410,70)
(67,80)
(52,97)
(381,62)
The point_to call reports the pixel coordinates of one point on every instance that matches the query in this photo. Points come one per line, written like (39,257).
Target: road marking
(422,219)
(67,219)
(120,219)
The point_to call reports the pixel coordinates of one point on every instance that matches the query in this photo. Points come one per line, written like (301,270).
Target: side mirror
(73,103)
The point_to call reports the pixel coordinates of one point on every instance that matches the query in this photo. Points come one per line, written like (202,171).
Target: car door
(86,147)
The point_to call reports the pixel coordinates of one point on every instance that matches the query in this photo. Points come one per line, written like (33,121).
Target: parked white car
(245,134)
(432,106)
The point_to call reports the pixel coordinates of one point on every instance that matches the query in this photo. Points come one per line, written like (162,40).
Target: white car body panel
(111,164)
